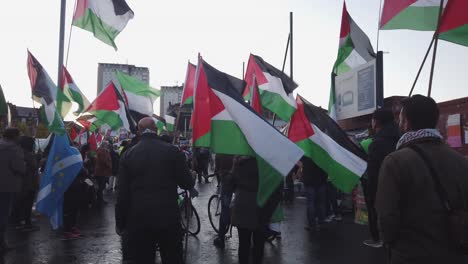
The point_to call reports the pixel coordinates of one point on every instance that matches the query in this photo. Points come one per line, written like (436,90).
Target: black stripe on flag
(327,125)
(288,84)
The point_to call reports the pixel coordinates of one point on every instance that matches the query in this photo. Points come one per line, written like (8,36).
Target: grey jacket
(412,218)
(12,167)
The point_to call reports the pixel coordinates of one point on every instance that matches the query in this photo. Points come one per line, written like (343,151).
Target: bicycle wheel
(214,211)
(190,220)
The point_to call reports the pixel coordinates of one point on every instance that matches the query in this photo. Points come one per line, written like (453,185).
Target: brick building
(359,125)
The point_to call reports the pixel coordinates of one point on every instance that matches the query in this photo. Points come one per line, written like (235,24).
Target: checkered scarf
(412,136)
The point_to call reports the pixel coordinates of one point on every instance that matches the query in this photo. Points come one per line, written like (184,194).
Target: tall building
(170,95)
(106,73)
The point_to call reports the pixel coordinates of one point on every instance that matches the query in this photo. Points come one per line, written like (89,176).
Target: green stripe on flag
(94,24)
(415,18)
(269,180)
(340,176)
(275,103)
(458,35)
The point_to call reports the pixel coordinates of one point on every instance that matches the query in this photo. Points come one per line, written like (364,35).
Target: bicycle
(190,220)
(214,209)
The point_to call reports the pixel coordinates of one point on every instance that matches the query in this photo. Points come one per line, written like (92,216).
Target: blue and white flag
(63,165)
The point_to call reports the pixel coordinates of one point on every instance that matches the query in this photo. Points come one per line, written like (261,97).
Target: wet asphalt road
(336,243)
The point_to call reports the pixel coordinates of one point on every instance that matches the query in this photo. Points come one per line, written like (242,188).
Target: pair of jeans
(142,240)
(316,199)
(23,207)
(225,218)
(246,237)
(332,200)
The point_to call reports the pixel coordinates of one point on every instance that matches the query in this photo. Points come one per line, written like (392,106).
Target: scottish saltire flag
(63,165)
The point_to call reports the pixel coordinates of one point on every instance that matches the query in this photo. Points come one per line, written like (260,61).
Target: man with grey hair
(13,168)
(147,211)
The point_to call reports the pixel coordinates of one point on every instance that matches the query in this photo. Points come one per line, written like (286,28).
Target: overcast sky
(165,34)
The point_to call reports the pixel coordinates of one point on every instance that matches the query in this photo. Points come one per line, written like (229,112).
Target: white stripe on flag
(277,150)
(275,85)
(44,192)
(428,3)
(66,162)
(339,154)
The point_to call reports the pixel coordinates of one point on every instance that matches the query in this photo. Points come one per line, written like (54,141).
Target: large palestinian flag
(454,24)
(355,47)
(104,18)
(327,145)
(71,90)
(109,110)
(187,96)
(410,14)
(45,92)
(224,122)
(140,95)
(275,87)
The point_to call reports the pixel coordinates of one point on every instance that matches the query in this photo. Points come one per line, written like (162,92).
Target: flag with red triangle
(454,23)
(109,109)
(224,122)
(189,85)
(71,90)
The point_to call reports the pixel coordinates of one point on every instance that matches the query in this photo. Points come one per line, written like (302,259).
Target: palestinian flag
(160,124)
(72,133)
(410,14)
(187,96)
(355,47)
(327,145)
(140,96)
(104,18)
(108,109)
(71,90)
(454,23)
(274,86)
(224,122)
(45,92)
(3,104)
(170,123)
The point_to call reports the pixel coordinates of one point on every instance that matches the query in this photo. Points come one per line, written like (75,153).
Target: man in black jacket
(384,143)
(147,210)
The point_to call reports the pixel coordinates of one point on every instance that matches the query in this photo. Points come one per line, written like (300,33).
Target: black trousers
(142,240)
(23,207)
(369,196)
(246,237)
(71,208)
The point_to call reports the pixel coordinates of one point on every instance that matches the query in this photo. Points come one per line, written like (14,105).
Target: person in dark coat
(251,220)
(202,160)
(147,212)
(315,183)
(29,188)
(385,140)
(413,219)
(12,169)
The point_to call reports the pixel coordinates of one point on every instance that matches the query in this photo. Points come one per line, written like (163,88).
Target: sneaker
(338,218)
(373,243)
(76,232)
(329,219)
(219,243)
(68,236)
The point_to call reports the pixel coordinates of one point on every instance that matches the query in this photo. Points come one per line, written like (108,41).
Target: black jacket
(147,184)
(383,144)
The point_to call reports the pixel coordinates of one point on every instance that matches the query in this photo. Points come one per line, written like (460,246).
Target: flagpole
(436,37)
(291,57)
(70,36)
(421,67)
(378,25)
(176,125)
(61,41)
